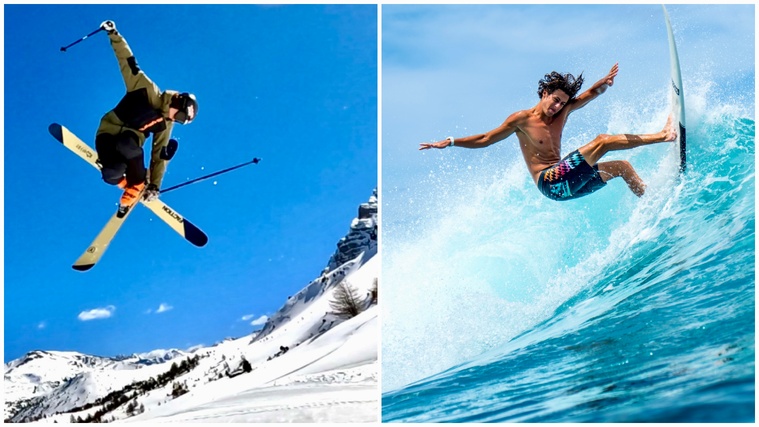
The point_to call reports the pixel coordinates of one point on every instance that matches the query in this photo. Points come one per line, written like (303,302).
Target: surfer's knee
(601,143)
(602,139)
(638,188)
(625,166)
(595,149)
(624,169)
(617,168)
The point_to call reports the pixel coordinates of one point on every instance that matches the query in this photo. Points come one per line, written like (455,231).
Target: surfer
(539,132)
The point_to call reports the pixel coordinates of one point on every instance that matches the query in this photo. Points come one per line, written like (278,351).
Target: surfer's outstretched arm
(598,88)
(482,140)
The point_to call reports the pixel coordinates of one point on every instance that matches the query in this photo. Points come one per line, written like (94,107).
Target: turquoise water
(501,305)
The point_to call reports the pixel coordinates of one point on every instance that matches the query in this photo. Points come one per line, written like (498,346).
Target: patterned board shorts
(569,179)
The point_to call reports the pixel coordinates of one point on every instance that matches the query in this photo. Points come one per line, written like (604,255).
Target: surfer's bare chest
(541,140)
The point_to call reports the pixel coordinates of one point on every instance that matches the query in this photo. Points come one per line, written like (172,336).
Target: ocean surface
(503,306)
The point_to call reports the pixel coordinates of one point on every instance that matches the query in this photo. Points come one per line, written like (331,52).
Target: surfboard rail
(678,98)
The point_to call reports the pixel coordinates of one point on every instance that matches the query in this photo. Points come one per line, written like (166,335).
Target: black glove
(167,152)
(108,26)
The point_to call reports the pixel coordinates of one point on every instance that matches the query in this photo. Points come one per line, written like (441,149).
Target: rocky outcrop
(362,236)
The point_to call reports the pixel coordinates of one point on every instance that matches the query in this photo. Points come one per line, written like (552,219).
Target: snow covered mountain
(309,362)
(35,381)
(362,236)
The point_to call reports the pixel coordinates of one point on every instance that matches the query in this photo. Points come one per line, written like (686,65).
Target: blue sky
(293,85)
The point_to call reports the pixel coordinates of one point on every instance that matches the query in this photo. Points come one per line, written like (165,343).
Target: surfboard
(678,99)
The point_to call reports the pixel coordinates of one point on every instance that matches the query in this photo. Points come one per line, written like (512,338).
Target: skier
(144,110)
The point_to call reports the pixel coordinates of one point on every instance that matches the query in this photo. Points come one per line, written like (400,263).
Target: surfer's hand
(612,73)
(440,144)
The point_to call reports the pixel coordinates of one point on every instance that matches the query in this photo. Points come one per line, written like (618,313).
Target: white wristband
(450,138)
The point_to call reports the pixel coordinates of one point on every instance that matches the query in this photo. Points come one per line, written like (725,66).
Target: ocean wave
(503,305)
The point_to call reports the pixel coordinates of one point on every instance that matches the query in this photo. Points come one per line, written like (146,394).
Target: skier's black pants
(121,155)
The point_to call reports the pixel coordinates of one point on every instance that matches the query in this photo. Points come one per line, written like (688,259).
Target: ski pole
(63,49)
(255,160)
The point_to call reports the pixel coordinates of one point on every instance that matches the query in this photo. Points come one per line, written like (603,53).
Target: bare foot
(669,131)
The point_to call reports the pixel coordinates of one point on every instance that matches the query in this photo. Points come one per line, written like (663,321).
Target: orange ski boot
(130,198)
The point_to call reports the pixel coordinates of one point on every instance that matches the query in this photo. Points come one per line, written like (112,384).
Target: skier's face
(179,116)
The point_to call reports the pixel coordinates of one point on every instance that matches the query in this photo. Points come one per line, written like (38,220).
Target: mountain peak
(361,237)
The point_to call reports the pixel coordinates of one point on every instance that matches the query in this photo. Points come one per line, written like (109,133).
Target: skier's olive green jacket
(143,110)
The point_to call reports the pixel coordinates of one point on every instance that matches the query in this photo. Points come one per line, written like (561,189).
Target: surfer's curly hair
(566,82)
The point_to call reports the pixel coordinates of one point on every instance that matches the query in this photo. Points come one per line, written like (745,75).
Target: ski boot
(130,198)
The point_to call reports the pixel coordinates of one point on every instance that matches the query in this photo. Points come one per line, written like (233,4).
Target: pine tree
(178,390)
(246,365)
(347,303)
(373,292)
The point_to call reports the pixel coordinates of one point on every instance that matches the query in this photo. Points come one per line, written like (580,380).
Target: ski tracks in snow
(295,402)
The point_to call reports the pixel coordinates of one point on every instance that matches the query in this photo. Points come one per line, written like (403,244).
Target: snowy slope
(62,380)
(306,364)
(320,379)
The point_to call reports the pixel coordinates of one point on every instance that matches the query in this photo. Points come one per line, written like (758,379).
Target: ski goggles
(182,117)
(185,110)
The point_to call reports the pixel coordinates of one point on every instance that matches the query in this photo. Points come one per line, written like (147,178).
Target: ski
(173,219)
(97,248)
(177,222)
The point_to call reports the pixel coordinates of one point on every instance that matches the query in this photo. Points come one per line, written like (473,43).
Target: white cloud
(257,322)
(97,313)
(163,308)
(41,325)
(260,321)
